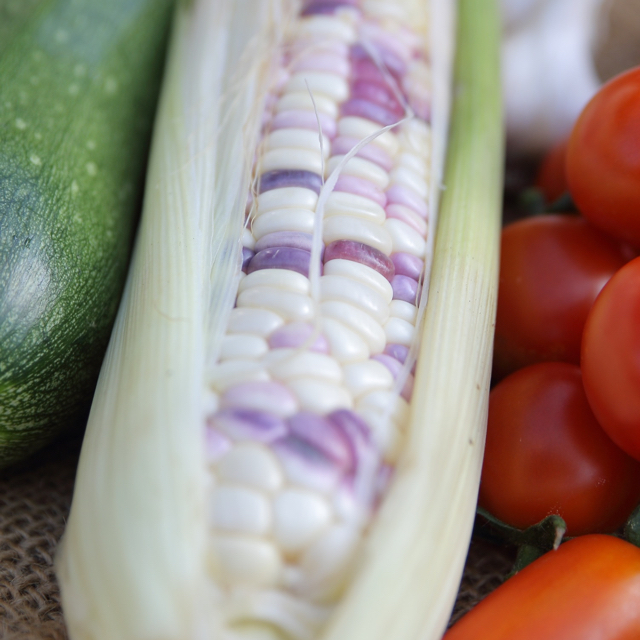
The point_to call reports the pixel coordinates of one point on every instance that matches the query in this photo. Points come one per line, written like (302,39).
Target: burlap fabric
(34,503)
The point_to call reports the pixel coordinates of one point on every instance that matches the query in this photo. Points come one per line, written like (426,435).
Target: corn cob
(242,447)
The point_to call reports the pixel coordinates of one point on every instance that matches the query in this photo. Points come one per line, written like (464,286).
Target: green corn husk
(133,562)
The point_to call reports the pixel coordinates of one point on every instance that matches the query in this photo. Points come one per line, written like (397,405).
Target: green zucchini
(79,81)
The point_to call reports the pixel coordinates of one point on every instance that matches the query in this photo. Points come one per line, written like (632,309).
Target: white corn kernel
(360,128)
(299,517)
(260,322)
(409,178)
(287,198)
(415,136)
(399,331)
(210,402)
(386,11)
(414,162)
(359,321)
(327,84)
(248,240)
(362,273)
(325,27)
(362,377)
(240,510)
(279,278)
(359,230)
(274,398)
(411,218)
(327,564)
(360,168)
(287,157)
(385,403)
(230,372)
(285,364)
(385,433)
(291,306)
(301,100)
(350,204)
(298,139)
(282,220)
(345,344)
(403,310)
(251,464)
(405,239)
(354,292)
(320,396)
(243,345)
(247,561)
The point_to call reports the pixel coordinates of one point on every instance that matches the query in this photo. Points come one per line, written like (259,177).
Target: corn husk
(134,562)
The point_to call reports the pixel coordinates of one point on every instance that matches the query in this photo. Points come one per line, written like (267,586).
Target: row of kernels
(309,100)
(318,574)
(293,516)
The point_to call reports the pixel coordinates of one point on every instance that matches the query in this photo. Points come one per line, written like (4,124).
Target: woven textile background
(34,502)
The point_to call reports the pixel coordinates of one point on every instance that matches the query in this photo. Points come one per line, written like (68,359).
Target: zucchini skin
(80,80)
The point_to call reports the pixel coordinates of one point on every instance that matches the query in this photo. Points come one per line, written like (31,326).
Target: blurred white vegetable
(548,68)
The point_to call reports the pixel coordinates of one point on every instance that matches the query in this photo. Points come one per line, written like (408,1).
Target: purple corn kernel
(408,216)
(377,93)
(307,465)
(368,71)
(300,119)
(421,107)
(399,42)
(393,364)
(247,254)
(361,187)
(362,253)
(370,111)
(243,424)
(392,62)
(324,8)
(408,265)
(281,178)
(281,258)
(346,3)
(367,456)
(343,145)
(405,288)
(324,435)
(352,425)
(292,239)
(397,351)
(401,194)
(296,334)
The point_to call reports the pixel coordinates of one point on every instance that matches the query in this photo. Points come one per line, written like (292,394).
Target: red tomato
(546,454)
(603,158)
(552,268)
(588,589)
(551,178)
(611,358)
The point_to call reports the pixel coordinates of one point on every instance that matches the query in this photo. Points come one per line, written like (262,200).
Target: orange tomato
(589,589)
